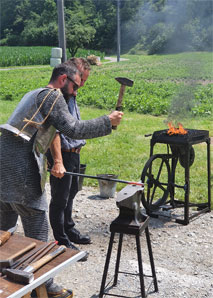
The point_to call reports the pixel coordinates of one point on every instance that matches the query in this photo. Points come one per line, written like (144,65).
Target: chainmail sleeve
(63,121)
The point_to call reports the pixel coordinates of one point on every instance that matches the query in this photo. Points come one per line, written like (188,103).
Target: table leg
(28,295)
(41,291)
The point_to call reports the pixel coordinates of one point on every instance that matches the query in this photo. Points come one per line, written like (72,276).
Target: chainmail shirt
(20,179)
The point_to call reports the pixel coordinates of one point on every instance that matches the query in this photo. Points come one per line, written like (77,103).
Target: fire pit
(159,172)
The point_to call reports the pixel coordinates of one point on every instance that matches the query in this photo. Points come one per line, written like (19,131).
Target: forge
(159,173)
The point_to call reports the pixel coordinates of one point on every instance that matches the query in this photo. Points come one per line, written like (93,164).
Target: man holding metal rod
(24,140)
(66,157)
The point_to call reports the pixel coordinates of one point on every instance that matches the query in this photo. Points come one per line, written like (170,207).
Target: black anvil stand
(131,222)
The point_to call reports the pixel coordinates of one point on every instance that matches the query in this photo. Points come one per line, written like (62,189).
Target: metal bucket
(107,188)
(81,179)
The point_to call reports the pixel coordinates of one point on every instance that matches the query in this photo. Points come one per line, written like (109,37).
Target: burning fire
(176,131)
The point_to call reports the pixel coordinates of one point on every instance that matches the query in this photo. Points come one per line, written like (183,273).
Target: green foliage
(154,26)
(22,56)
(175,85)
(204,101)
(79,32)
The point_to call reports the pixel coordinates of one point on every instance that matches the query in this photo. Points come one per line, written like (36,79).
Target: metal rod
(43,250)
(33,253)
(102,178)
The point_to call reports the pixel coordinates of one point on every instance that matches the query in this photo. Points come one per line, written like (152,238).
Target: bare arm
(58,168)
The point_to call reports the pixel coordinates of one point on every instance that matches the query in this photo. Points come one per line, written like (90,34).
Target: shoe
(76,237)
(72,246)
(64,293)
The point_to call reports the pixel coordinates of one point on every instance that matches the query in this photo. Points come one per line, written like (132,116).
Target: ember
(176,131)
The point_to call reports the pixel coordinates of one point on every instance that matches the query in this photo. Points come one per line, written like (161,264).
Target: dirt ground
(183,255)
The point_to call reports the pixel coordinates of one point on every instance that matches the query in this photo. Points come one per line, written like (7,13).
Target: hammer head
(5,264)
(19,275)
(125,81)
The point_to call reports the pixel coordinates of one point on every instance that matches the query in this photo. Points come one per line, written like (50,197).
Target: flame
(176,131)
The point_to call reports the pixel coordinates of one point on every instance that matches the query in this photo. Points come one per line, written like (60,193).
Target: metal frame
(201,207)
(117,226)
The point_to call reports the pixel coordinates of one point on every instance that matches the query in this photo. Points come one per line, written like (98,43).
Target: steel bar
(27,257)
(102,178)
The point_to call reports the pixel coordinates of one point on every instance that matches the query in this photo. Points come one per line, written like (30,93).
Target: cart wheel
(156,177)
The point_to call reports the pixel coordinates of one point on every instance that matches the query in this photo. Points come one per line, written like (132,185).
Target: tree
(79,31)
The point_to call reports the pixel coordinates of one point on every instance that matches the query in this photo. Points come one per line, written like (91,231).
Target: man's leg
(34,221)
(8,217)
(73,234)
(59,197)
(68,220)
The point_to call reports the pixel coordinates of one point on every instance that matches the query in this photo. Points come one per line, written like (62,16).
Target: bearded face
(65,91)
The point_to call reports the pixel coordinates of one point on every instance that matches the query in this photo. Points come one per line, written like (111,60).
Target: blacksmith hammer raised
(6,235)
(124,82)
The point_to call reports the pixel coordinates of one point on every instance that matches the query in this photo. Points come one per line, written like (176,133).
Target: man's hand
(115,117)
(58,169)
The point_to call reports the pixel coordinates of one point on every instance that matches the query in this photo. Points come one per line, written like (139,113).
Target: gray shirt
(66,142)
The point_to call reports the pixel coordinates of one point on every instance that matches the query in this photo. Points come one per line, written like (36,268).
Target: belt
(74,150)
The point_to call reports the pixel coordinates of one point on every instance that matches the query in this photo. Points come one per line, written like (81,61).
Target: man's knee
(8,216)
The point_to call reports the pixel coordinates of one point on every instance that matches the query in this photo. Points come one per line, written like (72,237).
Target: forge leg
(209,174)
(185,221)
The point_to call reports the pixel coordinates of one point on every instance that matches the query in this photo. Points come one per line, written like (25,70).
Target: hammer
(9,262)
(124,82)
(26,276)
(6,235)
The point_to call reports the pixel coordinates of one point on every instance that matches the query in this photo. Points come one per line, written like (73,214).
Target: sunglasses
(75,86)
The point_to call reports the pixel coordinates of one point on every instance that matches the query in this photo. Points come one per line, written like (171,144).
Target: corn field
(22,56)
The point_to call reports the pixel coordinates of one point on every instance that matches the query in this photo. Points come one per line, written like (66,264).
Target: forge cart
(159,174)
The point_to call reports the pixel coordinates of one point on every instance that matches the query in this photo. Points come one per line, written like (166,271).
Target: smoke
(177,26)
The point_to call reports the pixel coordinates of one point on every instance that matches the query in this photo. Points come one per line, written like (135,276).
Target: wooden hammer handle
(119,102)
(4,237)
(21,252)
(121,94)
(36,265)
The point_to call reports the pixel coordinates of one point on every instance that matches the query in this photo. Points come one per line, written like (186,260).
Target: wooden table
(12,289)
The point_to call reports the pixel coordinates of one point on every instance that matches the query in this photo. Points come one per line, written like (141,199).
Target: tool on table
(26,276)
(6,235)
(124,82)
(37,256)
(9,262)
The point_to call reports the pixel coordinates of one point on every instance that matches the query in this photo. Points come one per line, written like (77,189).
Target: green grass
(156,81)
